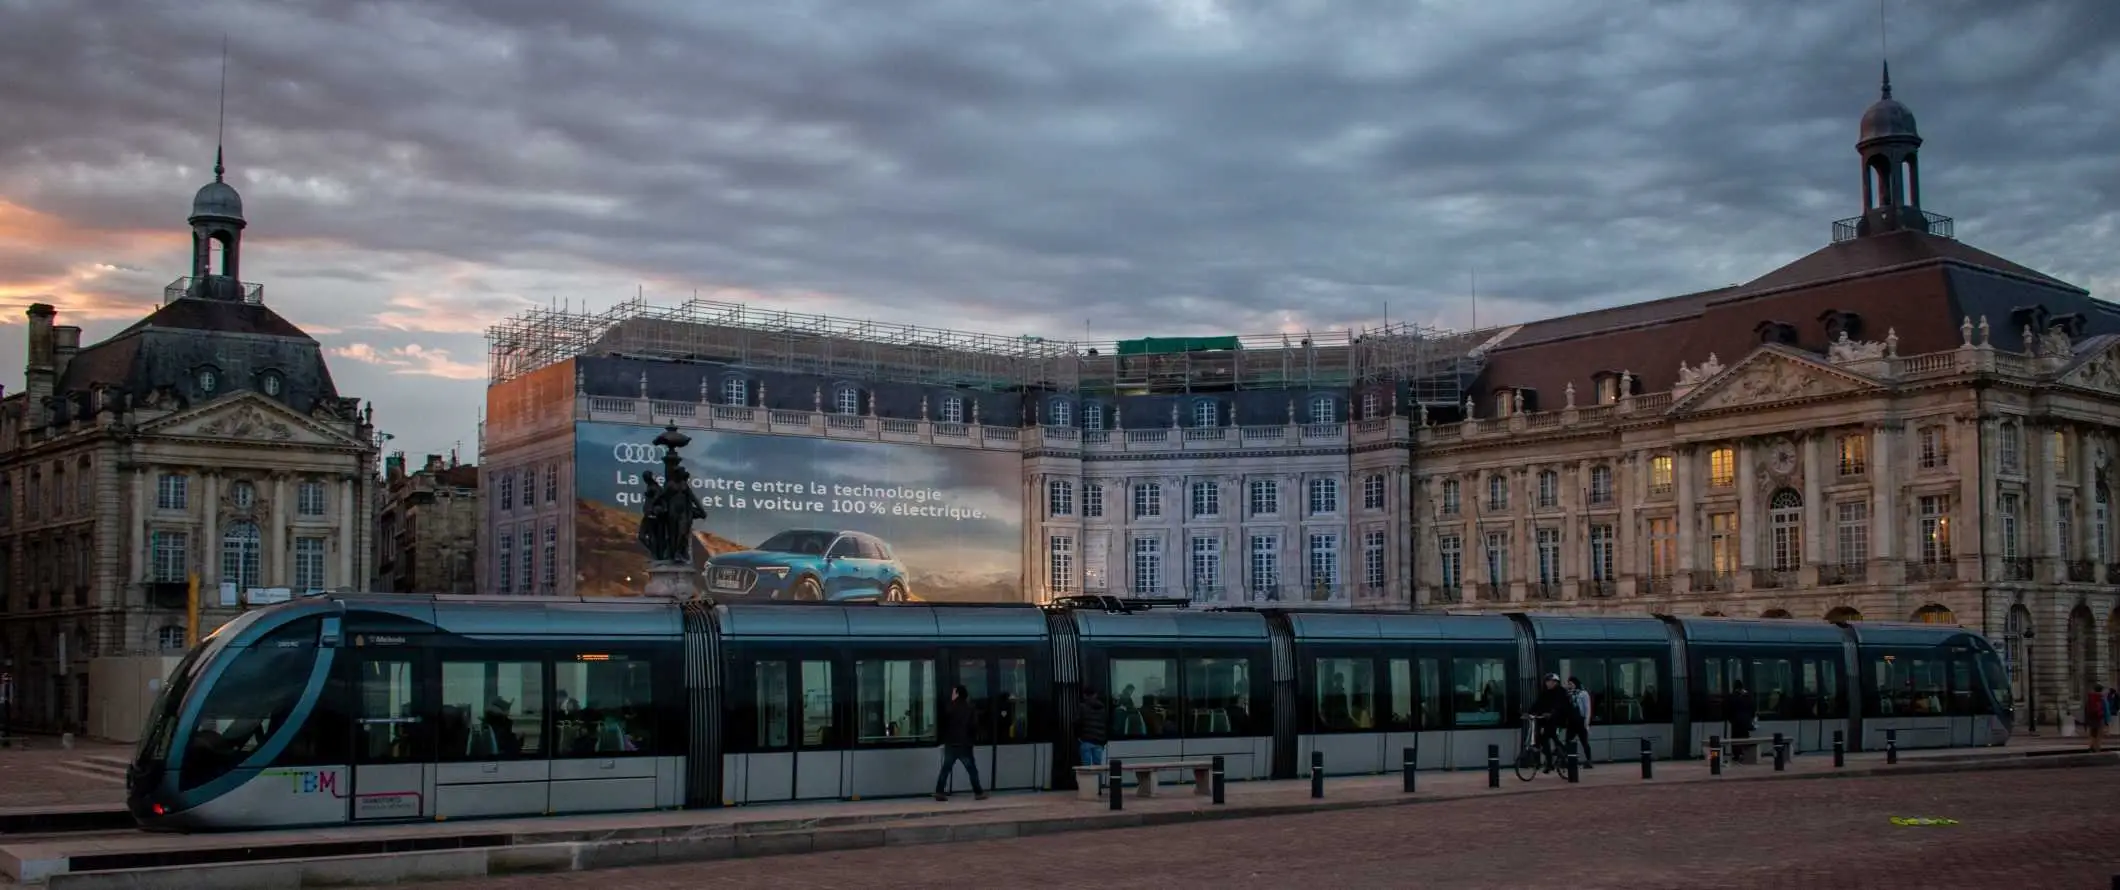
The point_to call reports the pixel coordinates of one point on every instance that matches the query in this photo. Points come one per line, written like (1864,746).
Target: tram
(339,709)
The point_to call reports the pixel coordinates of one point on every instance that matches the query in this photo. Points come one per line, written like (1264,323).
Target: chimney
(66,342)
(39,376)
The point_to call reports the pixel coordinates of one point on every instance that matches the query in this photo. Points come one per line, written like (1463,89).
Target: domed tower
(217,219)
(1891,167)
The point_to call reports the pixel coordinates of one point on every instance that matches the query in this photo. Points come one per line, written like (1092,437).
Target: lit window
(1722,467)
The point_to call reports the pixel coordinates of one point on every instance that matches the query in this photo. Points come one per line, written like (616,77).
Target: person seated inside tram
(499,729)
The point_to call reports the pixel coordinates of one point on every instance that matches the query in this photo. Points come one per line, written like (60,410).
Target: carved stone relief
(247,422)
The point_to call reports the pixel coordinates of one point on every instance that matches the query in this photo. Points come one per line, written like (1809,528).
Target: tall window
(1206,499)
(504,561)
(735,391)
(1854,454)
(1852,536)
(1497,492)
(1148,564)
(1093,416)
(1549,489)
(1936,528)
(1450,497)
(2010,506)
(1324,561)
(1663,547)
(308,564)
(507,491)
(1549,556)
(2065,529)
(1060,568)
(1600,485)
(1785,530)
(240,554)
(1373,559)
(1497,558)
(1265,497)
(171,491)
(1148,500)
(1092,500)
(1601,554)
(847,400)
(1369,406)
(529,556)
(1660,475)
(1722,467)
(1205,414)
(1722,544)
(551,483)
(172,556)
(1451,550)
(1321,410)
(2010,448)
(1373,491)
(2061,455)
(1060,497)
(309,498)
(1324,496)
(1935,451)
(1206,563)
(1265,569)
(2101,542)
(549,557)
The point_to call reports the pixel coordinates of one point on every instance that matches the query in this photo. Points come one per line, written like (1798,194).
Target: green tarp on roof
(1161,345)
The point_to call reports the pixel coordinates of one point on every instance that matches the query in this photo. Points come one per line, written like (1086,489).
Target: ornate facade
(1895,427)
(207,440)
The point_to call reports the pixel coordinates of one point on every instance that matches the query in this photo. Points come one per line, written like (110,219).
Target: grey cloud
(1149,167)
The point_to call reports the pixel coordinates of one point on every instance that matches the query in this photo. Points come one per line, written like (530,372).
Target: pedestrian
(2112,704)
(2094,715)
(1579,720)
(1744,716)
(1091,726)
(958,736)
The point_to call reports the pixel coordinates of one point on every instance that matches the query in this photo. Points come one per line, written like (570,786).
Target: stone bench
(1089,780)
(1745,750)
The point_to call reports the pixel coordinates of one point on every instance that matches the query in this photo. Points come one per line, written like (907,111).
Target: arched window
(1935,613)
(1843,614)
(1321,409)
(1785,528)
(1206,414)
(240,555)
(169,639)
(736,391)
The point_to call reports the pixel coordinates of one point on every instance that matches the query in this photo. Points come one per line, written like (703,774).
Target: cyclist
(1552,708)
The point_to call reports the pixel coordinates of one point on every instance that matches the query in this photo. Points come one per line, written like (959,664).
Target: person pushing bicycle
(1551,709)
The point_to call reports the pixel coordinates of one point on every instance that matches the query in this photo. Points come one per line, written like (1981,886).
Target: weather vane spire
(221,125)
(1884,47)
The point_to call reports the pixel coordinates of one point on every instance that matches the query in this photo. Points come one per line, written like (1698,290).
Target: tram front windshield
(240,710)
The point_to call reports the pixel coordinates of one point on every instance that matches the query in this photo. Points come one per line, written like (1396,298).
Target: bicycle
(1538,755)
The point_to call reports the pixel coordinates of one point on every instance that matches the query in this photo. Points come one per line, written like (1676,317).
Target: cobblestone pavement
(2021,829)
(45,774)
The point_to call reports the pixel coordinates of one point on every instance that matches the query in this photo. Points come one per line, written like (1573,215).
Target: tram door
(1008,757)
(392,746)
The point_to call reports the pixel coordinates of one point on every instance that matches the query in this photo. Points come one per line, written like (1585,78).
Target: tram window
(1481,689)
(1015,701)
(1217,697)
(972,673)
(1345,695)
(1432,713)
(1631,694)
(1962,700)
(1773,689)
(1830,703)
(1402,716)
(1145,705)
(1721,676)
(605,706)
(896,698)
(1591,673)
(385,732)
(816,704)
(770,692)
(251,700)
(1929,687)
(492,710)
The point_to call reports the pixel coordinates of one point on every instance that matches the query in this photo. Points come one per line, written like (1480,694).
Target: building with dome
(1898,426)
(205,441)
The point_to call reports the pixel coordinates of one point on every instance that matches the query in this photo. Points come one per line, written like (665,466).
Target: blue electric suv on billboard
(812,564)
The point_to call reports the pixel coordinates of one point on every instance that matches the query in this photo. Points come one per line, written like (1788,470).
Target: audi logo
(636,453)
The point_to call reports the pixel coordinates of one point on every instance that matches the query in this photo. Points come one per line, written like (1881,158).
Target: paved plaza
(2019,829)
(44,774)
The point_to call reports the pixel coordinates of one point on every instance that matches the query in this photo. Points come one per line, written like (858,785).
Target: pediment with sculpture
(2100,370)
(1767,376)
(247,418)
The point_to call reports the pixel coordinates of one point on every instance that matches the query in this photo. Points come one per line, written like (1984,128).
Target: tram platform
(382,855)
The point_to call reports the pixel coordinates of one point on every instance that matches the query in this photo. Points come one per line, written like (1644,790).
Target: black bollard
(1840,748)
(1781,755)
(1575,768)
(1648,760)
(1494,766)
(1891,746)
(1407,763)
(1715,755)
(1317,775)
(1217,778)
(1117,789)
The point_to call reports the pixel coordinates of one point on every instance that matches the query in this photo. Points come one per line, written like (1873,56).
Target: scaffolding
(1436,364)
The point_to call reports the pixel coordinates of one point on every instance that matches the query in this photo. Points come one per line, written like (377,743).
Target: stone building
(207,440)
(427,528)
(1897,426)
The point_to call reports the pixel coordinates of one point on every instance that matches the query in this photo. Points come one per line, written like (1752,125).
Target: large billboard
(799,517)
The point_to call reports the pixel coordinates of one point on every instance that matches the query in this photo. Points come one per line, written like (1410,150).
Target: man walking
(1091,727)
(958,724)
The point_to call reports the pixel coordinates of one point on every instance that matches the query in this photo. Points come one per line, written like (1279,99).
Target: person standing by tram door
(1744,715)
(1092,728)
(1579,720)
(959,725)
(2094,716)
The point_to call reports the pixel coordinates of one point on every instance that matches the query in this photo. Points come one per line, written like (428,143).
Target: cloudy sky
(414,171)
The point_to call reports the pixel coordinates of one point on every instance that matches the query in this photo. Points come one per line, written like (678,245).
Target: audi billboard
(803,518)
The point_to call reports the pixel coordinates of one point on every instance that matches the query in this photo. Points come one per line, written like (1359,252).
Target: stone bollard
(1118,788)
(1840,748)
(1408,760)
(1891,746)
(1218,779)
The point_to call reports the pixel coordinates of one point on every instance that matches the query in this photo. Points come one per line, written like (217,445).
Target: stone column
(1885,550)
(1576,498)
(1747,509)
(2083,466)
(1976,488)
(1815,514)
(347,538)
(142,501)
(2045,514)
(210,543)
(277,573)
(1684,460)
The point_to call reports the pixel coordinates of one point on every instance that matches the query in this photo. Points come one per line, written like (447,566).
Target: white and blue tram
(375,708)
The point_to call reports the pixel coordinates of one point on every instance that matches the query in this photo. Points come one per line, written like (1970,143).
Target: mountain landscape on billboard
(608,561)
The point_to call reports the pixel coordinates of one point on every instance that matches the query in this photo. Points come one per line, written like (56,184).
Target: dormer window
(1093,416)
(847,400)
(1321,409)
(1063,414)
(1503,402)
(208,380)
(1607,384)
(1205,414)
(736,391)
(1369,406)
(953,410)
(270,383)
